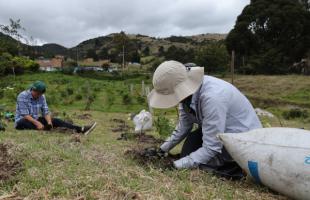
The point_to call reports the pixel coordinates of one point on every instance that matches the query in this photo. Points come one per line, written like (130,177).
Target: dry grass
(58,167)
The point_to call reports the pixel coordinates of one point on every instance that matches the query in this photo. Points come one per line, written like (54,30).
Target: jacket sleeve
(214,111)
(184,126)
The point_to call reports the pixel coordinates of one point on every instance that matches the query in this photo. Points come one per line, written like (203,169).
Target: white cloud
(72,21)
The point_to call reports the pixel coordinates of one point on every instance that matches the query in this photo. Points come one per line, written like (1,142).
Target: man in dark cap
(32,102)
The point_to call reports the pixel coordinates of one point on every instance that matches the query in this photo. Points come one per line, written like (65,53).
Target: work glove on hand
(185,163)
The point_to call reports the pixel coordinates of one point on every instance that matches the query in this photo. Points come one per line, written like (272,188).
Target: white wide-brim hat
(173,82)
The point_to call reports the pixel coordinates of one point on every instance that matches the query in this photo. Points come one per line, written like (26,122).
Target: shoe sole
(91,128)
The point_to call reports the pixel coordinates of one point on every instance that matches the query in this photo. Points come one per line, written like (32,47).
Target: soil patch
(148,157)
(75,138)
(85,116)
(121,125)
(9,166)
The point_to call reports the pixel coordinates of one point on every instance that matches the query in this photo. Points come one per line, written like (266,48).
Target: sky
(69,22)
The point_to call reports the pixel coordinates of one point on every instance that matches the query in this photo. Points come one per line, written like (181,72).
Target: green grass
(54,167)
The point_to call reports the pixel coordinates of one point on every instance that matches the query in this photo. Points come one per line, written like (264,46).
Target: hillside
(107,42)
(143,41)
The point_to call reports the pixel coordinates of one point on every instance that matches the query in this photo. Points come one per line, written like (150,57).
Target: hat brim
(181,91)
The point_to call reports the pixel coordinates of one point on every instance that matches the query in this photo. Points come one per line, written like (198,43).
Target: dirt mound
(121,125)
(84,116)
(75,138)
(9,166)
(150,157)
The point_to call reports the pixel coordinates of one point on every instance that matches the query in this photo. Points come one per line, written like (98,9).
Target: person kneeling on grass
(32,102)
(215,105)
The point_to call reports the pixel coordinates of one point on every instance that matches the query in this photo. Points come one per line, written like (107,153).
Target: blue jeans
(25,124)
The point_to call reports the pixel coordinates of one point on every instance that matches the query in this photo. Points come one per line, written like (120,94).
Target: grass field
(64,166)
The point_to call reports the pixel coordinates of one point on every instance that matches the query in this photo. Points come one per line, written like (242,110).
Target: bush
(68,70)
(295,113)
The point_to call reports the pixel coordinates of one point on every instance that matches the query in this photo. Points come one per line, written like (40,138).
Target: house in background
(50,65)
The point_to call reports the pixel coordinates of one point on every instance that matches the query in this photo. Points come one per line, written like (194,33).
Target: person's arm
(48,119)
(183,128)
(214,112)
(38,124)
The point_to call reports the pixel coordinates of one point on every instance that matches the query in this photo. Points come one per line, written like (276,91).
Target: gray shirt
(219,108)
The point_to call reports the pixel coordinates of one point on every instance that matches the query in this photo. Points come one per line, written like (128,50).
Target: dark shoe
(87,129)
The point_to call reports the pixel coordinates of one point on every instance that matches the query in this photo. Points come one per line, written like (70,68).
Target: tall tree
(271,35)
(13,30)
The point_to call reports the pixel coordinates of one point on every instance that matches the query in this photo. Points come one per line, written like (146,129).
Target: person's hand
(184,163)
(48,127)
(161,153)
(39,125)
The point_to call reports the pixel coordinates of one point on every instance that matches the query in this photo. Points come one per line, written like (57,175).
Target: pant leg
(25,124)
(43,121)
(60,123)
(192,142)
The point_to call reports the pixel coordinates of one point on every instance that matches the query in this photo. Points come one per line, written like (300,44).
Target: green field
(61,166)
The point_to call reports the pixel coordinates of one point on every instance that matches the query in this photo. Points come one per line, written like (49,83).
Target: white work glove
(166,146)
(185,163)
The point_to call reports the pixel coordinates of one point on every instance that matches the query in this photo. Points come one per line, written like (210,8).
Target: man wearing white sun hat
(215,105)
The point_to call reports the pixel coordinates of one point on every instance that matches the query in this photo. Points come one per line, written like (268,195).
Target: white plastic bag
(143,121)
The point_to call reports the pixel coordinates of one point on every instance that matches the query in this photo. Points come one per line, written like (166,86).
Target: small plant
(1,94)
(63,93)
(295,113)
(78,97)
(110,100)
(141,100)
(70,91)
(163,126)
(127,99)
